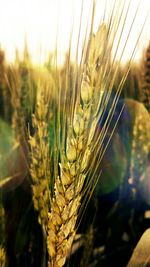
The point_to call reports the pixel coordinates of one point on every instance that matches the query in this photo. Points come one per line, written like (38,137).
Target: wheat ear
(145,82)
(40,167)
(73,169)
(140,143)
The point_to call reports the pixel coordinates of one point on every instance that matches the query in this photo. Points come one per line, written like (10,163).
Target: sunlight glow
(42,22)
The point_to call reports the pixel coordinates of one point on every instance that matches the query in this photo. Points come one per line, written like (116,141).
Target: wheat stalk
(2,235)
(2,257)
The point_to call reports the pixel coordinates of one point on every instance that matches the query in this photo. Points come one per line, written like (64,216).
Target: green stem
(44,247)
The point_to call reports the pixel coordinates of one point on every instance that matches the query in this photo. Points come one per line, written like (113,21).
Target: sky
(42,22)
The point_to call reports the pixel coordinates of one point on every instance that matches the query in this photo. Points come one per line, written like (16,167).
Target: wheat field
(74,151)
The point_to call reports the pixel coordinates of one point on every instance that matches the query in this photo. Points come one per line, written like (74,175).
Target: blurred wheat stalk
(2,257)
(145,79)
(2,237)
